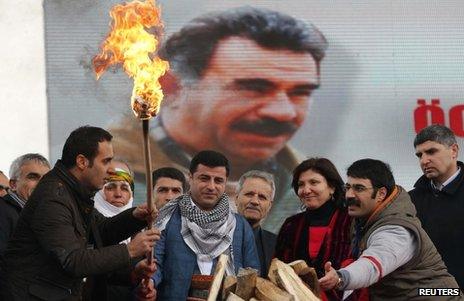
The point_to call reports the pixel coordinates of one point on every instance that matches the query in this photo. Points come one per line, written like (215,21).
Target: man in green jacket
(393,256)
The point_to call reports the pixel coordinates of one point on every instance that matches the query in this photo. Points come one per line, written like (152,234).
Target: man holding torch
(60,238)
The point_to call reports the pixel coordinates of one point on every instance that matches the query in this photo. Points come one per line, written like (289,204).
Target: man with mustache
(393,256)
(240,83)
(255,194)
(439,194)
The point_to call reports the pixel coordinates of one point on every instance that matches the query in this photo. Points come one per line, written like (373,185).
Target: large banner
(340,79)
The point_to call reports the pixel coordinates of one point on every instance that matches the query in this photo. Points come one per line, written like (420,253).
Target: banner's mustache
(351,202)
(266,127)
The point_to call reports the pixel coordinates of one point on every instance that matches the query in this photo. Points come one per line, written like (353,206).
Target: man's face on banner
(250,100)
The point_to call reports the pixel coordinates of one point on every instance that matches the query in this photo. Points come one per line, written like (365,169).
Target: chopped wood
(309,277)
(307,274)
(246,283)
(234,297)
(267,291)
(218,276)
(291,282)
(272,272)
(229,285)
(298,266)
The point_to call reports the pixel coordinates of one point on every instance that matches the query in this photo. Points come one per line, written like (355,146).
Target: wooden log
(246,283)
(273,271)
(229,286)
(218,276)
(267,291)
(298,266)
(234,297)
(292,283)
(309,277)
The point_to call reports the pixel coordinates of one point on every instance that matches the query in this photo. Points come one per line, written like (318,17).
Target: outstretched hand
(331,278)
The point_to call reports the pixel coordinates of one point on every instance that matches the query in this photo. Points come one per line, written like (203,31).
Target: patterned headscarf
(122,175)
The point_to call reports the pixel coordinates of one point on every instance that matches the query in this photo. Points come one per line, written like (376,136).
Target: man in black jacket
(255,194)
(25,173)
(60,238)
(439,195)
(4,185)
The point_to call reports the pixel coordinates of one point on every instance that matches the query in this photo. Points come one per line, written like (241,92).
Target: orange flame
(129,44)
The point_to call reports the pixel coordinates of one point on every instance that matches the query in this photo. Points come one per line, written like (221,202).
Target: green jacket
(425,270)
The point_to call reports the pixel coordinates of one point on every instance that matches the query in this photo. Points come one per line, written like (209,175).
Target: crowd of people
(72,233)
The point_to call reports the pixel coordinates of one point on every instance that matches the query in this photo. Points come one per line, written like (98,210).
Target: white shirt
(450,179)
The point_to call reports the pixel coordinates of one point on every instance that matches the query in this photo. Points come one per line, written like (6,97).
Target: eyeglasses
(357,188)
(4,188)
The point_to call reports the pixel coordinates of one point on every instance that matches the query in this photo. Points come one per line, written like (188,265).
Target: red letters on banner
(428,114)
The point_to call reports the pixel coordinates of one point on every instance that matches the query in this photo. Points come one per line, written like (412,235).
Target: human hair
(257,174)
(378,172)
(209,158)
(189,50)
(325,168)
(172,173)
(15,167)
(436,133)
(83,141)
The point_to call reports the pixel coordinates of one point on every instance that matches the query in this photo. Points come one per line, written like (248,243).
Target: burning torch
(128,43)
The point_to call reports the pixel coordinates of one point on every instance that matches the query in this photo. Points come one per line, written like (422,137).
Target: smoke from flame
(128,43)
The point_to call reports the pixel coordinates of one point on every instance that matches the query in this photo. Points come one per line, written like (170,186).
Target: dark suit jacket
(9,214)
(265,242)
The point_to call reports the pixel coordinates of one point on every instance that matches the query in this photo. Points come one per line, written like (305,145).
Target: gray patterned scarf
(207,233)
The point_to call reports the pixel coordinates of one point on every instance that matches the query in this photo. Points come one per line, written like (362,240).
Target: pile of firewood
(287,282)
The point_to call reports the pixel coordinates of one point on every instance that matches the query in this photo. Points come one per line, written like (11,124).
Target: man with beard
(393,255)
(439,194)
(255,194)
(240,84)
(60,238)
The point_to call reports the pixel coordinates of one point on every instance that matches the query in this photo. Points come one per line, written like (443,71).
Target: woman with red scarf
(322,232)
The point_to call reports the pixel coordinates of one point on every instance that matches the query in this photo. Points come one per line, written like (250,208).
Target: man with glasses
(4,186)
(393,255)
(25,173)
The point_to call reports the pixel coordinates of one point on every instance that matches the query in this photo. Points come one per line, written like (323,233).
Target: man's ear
(12,183)
(382,194)
(82,162)
(454,150)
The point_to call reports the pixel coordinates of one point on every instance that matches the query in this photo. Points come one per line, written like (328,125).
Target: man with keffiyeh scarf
(198,227)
